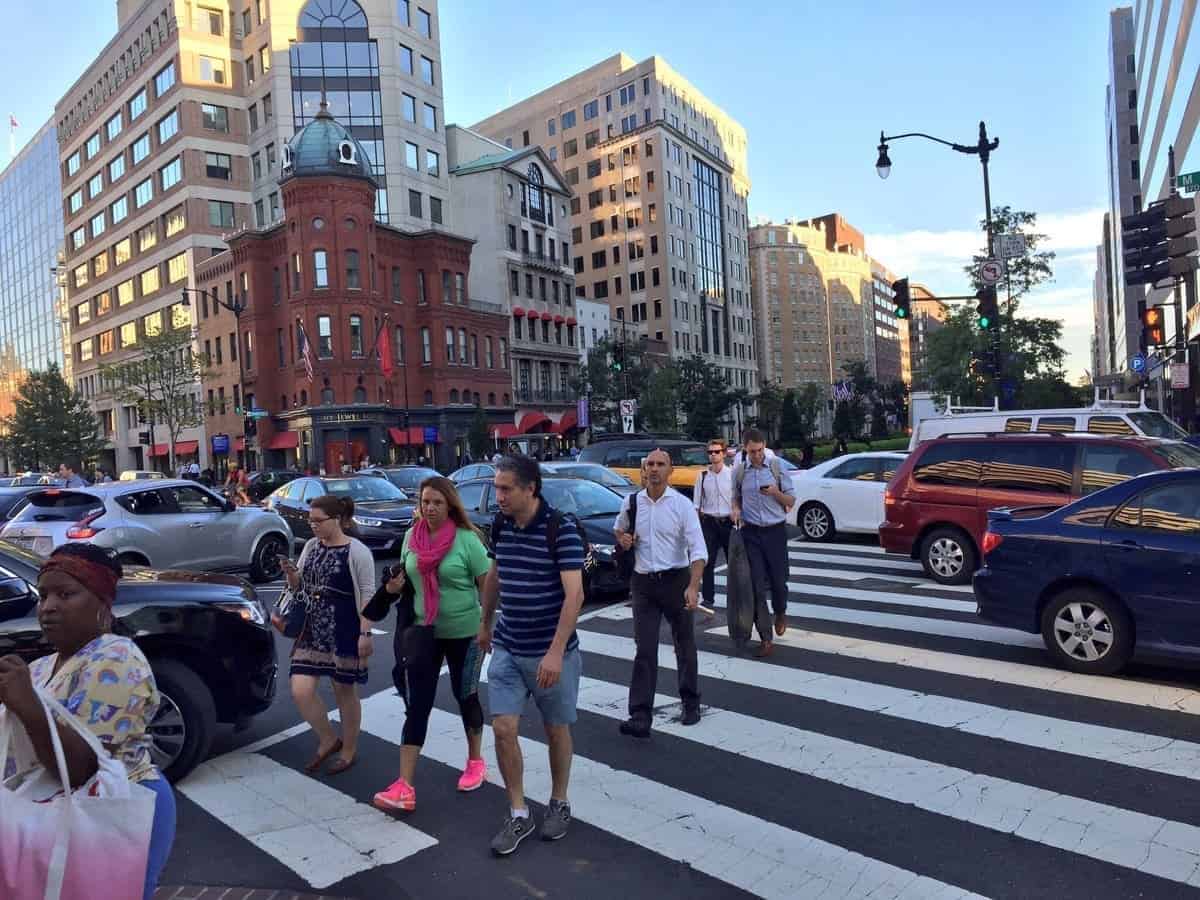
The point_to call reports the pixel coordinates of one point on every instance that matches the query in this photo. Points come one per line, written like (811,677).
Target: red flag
(383,346)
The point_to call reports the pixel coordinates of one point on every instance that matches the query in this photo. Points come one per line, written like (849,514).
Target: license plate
(24,543)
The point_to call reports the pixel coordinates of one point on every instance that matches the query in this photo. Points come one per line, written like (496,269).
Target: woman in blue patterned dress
(336,572)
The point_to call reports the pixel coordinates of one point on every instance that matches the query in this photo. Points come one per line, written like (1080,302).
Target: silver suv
(167,524)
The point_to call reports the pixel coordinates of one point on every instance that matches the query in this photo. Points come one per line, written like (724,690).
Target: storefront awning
(182,448)
(505,431)
(531,421)
(284,440)
(571,320)
(518,311)
(414,437)
(569,421)
(547,317)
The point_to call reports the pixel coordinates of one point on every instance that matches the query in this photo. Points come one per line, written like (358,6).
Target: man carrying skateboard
(669,558)
(762,496)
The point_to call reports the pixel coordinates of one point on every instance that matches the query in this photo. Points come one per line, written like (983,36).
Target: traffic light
(901,299)
(250,426)
(988,309)
(1158,243)
(1153,331)
(618,357)
(144,437)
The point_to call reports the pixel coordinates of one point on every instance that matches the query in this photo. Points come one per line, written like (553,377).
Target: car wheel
(948,556)
(816,521)
(182,728)
(264,566)
(1087,631)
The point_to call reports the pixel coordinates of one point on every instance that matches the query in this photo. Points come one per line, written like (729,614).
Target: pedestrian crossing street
(893,746)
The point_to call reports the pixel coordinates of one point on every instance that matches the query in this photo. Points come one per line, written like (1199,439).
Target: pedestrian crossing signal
(1153,332)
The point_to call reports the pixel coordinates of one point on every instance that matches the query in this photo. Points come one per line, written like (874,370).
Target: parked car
(843,494)
(936,506)
(596,508)
(625,458)
(382,512)
(164,523)
(268,481)
(1105,578)
(592,472)
(407,478)
(139,475)
(207,637)
(33,479)
(11,499)
(473,470)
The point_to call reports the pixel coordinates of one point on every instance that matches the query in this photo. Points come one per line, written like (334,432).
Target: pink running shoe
(399,797)
(473,775)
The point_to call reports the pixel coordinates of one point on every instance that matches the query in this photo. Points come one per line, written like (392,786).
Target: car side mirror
(17,600)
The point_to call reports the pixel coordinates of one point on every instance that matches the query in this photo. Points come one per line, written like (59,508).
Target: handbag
(59,844)
(291,612)
(626,559)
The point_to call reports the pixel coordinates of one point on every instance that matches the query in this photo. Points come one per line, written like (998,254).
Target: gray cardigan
(362,569)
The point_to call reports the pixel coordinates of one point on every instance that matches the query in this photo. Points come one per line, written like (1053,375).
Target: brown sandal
(317,761)
(340,765)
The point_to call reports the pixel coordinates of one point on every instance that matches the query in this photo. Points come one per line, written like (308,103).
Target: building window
(249,342)
(430,117)
(296,273)
(97,224)
(129,334)
(488,359)
(119,210)
(100,265)
(264,65)
(320,269)
(212,70)
(152,324)
(1133,134)
(591,110)
(249,70)
(435,210)
(125,293)
(122,251)
(274,201)
(398,345)
(460,289)
(171,174)
(116,169)
(95,186)
(411,154)
(324,337)
(80,275)
(149,281)
(175,220)
(353,282)
(570,148)
(220,214)
(356,336)
(214,118)
(78,236)
(421,297)
(426,348)
(551,127)
(1135,169)
(137,105)
(92,147)
(252,115)
(414,204)
(427,70)
(141,148)
(462,347)
(113,126)
(218,165)
(568,120)
(73,162)
(75,203)
(449,346)
(433,163)
(406,60)
(504,361)
(408,106)
(424,23)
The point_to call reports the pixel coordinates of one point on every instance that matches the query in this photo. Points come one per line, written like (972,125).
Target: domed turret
(325,147)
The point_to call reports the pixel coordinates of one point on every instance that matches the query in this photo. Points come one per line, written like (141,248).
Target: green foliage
(770,410)
(51,423)
(478,435)
(1024,272)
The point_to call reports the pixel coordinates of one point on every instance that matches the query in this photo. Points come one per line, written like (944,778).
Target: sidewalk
(175,892)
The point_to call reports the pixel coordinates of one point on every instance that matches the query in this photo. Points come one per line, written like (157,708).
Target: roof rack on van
(953,408)
(1099,402)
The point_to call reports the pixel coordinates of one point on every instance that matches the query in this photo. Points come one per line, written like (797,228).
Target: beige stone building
(171,140)
(928,315)
(658,221)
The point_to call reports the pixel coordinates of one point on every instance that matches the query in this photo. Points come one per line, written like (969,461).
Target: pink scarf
(431,549)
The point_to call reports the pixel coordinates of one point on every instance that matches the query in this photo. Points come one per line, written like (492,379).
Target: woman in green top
(446,561)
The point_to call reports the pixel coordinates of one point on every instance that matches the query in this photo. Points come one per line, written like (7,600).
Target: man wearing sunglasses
(713,497)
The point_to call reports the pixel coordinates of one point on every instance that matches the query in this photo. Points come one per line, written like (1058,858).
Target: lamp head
(883,165)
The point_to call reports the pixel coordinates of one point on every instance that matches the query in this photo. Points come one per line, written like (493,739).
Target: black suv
(208,639)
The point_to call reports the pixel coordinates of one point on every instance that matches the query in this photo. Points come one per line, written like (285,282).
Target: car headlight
(250,611)
(368,522)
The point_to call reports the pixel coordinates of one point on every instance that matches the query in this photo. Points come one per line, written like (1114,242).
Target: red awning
(546,317)
(415,436)
(571,320)
(532,420)
(182,448)
(158,450)
(505,431)
(558,320)
(518,311)
(567,422)
(284,440)
(239,443)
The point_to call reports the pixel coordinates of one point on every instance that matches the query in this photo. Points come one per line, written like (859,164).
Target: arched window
(507,401)
(327,395)
(453,395)
(360,394)
(491,399)
(304,398)
(537,193)
(476,398)
(429,398)
(466,395)
(475,350)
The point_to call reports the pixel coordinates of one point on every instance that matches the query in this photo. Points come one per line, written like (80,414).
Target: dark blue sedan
(1110,575)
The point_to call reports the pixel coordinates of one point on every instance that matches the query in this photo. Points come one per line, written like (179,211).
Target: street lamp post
(982,148)
(237,307)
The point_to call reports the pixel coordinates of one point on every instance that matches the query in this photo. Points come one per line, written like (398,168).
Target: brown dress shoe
(765,649)
(780,624)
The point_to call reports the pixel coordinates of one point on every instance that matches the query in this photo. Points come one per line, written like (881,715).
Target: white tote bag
(58,844)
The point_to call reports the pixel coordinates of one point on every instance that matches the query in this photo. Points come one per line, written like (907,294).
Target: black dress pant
(716,537)
(656,597)
(767,553)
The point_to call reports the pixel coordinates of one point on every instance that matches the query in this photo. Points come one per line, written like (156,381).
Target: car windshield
(58,506)
(1155,424)
(365,487)
(593,473)
(581,498)
(689,456)
(408,478)
(1179,455)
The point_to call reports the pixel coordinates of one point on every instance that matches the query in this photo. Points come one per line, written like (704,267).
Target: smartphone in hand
(765,489)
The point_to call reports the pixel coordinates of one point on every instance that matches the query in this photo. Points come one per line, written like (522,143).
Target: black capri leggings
(422,682)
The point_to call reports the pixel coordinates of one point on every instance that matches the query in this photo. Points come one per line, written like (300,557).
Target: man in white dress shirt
(669,558)
(713,496)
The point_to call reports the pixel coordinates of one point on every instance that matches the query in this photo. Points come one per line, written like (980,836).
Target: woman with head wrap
(92,670)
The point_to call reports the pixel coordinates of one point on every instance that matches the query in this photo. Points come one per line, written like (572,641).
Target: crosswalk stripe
(836,574)
(840,593)
(742,850)
(894,565)
(1149,844)
(874,549)
(1151,752)
(315,830)
(1171,698)
(991,634)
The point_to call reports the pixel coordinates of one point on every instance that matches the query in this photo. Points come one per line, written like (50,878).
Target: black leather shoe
(690,717)
(635,729)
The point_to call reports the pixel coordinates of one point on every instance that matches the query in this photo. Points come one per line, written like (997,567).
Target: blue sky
(812,83)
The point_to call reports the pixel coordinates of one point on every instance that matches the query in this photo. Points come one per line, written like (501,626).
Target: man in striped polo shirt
(539,591)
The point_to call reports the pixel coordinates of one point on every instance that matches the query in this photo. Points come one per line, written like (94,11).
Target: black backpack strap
(553,523)
(497,524)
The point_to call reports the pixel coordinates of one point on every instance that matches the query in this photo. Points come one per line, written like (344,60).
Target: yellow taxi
(624,456)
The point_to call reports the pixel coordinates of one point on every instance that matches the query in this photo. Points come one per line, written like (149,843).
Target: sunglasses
(715,452)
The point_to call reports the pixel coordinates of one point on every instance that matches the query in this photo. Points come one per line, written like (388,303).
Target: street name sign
(258,414)
(991,271)
(1189,181)
(1010,245)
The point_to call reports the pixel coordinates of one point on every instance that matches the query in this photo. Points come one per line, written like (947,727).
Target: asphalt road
(893,746)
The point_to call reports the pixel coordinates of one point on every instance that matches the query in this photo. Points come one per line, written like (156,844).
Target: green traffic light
(984,322)
(901,312)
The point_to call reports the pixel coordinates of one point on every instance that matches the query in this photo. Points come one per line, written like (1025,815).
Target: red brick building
(356,287)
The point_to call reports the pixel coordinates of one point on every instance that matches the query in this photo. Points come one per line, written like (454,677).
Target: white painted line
(277,738)
(890,565)
(741,850)
(991,634)
(846,548)
(1151,752)
(1172,698)
(601,612)
(1149,844)
(315,830)
(617,613)
(840,593)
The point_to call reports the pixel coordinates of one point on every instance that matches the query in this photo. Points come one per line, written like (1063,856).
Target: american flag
(842,391)
(12,121)
(305,351)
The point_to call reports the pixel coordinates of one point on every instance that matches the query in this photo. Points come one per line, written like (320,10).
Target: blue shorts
(513,679)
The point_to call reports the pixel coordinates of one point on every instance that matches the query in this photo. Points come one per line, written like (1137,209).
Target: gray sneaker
(514,831)
(558,819)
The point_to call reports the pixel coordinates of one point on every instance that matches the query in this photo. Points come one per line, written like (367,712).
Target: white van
(1120,417)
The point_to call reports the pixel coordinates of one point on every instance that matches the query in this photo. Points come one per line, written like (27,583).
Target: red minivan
(936,506)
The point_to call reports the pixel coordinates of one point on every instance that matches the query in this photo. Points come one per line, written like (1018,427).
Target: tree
(658,405)
(895,397)
(809,402)
(598,380)
(160,381)
(704,396)
(51,423)
(478,437)
(1024,272)
(770,410)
